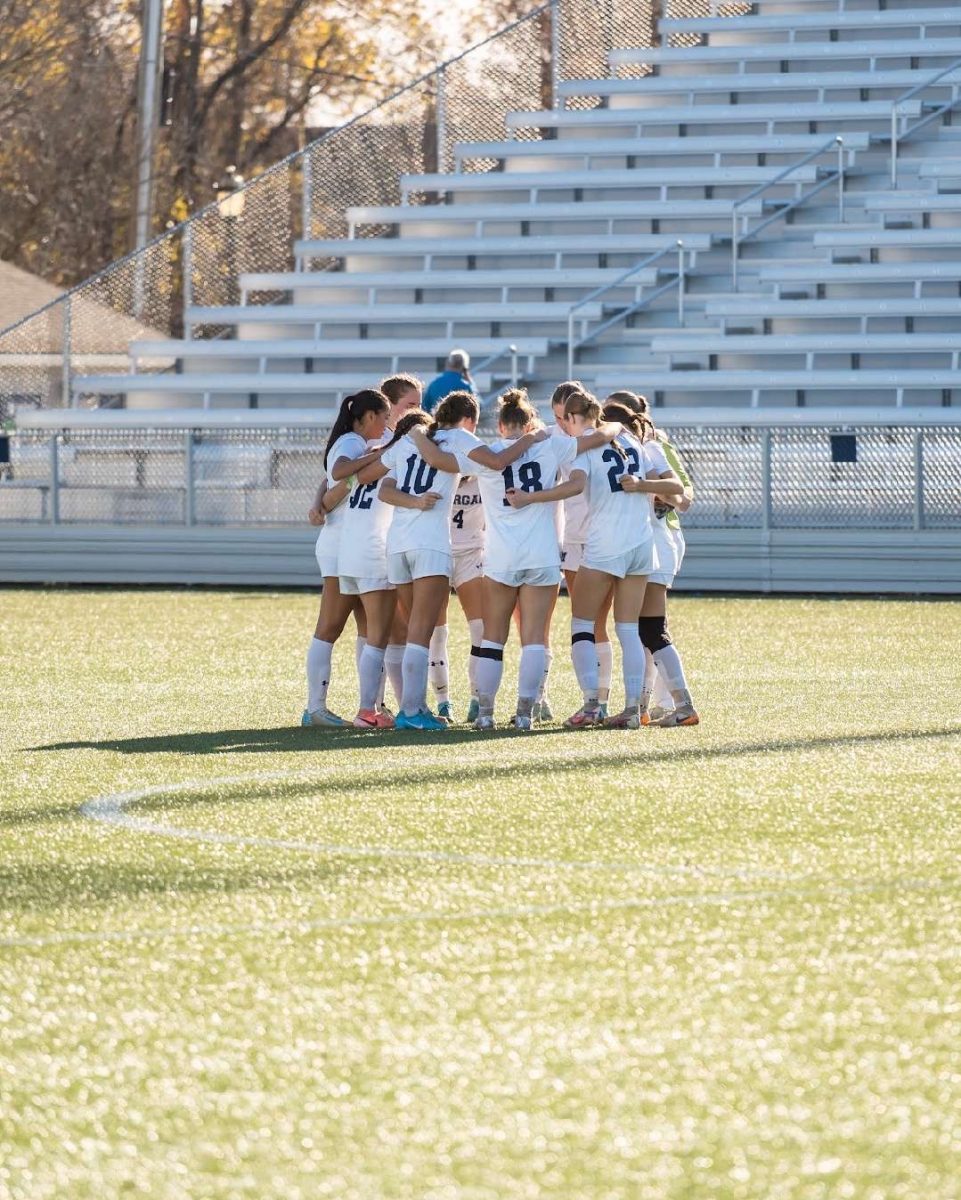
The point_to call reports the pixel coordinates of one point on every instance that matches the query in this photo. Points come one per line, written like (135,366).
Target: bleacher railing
(887,473)
(173,286)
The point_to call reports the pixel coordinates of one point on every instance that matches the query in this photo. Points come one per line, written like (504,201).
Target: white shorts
(639,560)
(468,565)
(670,547)
(350,585)
(326,561)
(529,577)
(418,564)
(572,556)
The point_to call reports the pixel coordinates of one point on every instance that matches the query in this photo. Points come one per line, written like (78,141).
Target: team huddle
(415,504)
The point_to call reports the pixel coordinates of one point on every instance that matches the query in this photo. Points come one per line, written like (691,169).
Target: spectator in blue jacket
(456,378)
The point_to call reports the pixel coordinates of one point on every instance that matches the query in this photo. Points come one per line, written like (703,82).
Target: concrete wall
(742,560)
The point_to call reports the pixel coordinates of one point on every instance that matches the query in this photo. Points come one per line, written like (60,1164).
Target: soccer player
(362,562)
(419,560)
(362,419)
(618,552)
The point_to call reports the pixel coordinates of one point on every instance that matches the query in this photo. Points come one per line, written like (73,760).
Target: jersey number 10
(420,481)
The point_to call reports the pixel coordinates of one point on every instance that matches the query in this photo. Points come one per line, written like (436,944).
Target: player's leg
(590,592)
(605,652)
(438,668)
(427,597)
(335,610)
(379,608)
(628,599)
(536,605)
(542,704)
(470,596)
(394,659)
(657,640)
(499,602)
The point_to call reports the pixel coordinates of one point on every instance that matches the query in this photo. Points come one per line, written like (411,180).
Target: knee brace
(654,633)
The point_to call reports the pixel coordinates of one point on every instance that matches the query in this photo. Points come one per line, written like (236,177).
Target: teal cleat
(473,711)
(423,722)
(445,712)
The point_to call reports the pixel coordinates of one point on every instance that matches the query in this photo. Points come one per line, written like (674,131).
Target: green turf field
(712,962)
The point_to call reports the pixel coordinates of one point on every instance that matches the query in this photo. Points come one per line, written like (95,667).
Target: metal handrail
(898,136)
(622,314)
(738,237)
(510,349)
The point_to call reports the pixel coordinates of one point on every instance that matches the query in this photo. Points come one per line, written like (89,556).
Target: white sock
(371,673)
(668,663)
(548,659)
(476,637)
(584,657)
(632,660)
(660,693)
(393,666)
(319,656)
(415,668)
(359,645)
(605,669)
(650,672)
(488,671)
(439,673)
(530,677)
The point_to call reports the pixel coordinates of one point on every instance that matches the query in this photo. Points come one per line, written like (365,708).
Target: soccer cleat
(423,721)
(484,722)
(603,710)
(521,722)
(324,718)
(368,718)
(445,712)
(473,711)
(385,712)
(684,715)
(543,710)
(584,718)
(658,712)
(630,718)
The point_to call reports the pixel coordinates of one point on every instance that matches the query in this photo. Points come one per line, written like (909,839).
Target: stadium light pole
(147,118)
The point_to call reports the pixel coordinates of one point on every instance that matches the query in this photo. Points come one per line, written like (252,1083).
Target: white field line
(111,811)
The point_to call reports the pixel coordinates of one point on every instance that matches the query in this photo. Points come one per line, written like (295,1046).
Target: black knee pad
(654,633)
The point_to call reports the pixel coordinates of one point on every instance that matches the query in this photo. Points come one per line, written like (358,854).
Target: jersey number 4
(619,467)
(419,477)
(528,479)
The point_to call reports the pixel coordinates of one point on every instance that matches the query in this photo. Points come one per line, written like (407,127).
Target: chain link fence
(890,477)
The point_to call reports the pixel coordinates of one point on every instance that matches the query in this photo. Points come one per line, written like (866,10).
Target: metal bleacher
(843,290)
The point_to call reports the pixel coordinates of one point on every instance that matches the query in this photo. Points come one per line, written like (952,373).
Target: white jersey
(348,445)
(572,526)
(521,539)
(415,528)
(364,524)
(618,520)
(467,518)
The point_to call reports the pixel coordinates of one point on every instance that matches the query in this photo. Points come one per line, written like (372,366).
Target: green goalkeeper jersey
(671,519)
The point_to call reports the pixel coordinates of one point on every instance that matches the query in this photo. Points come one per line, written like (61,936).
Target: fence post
(917,447)
(306,198)
(681,282)
(190,516)
(555,53)
(440,118)
(767,500)
(66,368)
(55,479)
(187,267)
(513,350)
(570,344)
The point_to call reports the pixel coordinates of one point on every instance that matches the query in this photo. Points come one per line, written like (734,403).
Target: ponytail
(640,407)
(580,403)
(352,408)
(410,420)
(514,410)
(454,408)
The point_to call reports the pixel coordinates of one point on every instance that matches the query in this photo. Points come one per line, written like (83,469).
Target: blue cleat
(445,712)
(423,722)
(473,711)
